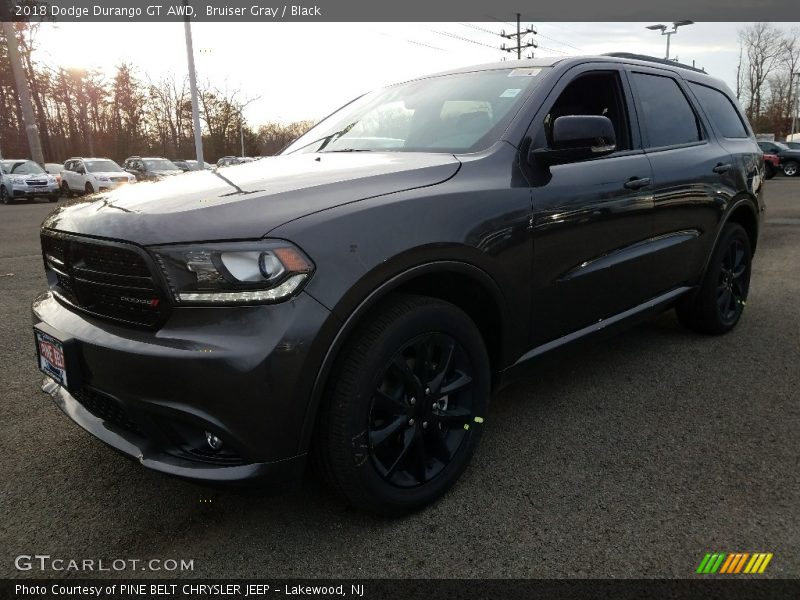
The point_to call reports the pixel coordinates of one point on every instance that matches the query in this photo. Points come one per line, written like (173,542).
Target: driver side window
(598,93)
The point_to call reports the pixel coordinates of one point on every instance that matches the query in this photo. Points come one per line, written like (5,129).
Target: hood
(248,200)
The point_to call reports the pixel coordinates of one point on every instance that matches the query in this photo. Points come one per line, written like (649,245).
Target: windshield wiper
(346,150)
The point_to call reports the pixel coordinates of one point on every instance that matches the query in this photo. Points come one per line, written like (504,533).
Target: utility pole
(28,118)
(241,129)
(521,43)
(198,136)
(796,103)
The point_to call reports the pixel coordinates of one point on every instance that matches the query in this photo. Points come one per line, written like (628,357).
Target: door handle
(636,183)
(720,168)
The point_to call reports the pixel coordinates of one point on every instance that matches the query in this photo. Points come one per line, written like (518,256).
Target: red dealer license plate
(51,357)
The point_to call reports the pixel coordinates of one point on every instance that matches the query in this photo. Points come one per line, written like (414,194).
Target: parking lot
(629,458)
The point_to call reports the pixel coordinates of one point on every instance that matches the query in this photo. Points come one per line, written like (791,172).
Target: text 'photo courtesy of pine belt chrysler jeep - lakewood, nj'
(355,301)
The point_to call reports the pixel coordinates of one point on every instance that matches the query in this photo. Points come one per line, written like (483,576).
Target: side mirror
(578,137)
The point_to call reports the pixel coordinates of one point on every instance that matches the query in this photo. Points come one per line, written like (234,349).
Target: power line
(541,34)
(489,31)
(458,37)
(416,43)
(562,43)
(554,50)
(499,20)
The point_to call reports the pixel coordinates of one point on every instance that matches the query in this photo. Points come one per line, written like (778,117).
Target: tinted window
(720,110)
(668,117)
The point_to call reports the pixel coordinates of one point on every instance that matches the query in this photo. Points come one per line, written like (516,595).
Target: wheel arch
(463,284)
(744,212)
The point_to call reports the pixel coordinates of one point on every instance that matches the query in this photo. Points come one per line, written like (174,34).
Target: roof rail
(645,57)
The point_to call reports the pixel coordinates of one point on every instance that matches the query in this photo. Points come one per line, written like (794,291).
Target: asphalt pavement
(632,457)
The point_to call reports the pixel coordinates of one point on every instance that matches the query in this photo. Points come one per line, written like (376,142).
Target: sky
(296,71)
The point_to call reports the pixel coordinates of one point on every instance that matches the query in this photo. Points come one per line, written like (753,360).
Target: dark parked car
(190,165)
(359,297)
(790,159)
(793,145)
(150,168)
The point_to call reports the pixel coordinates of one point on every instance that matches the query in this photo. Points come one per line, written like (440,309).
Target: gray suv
(358,298)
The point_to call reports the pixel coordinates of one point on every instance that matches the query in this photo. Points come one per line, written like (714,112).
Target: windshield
(21,167)
(100,166)
(464,112)
(160,164)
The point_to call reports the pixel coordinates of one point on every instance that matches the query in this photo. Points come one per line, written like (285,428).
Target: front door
(591,219)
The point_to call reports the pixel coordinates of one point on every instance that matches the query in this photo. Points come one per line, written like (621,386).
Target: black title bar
(407,10)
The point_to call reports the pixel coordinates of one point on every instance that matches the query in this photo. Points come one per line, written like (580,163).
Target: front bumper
(23,190)
(244,374)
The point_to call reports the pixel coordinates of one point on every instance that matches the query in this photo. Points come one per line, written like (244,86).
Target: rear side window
(668,117)
(720,111)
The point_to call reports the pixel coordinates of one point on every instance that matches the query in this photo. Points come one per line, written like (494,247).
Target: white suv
(22,178)
(89,175)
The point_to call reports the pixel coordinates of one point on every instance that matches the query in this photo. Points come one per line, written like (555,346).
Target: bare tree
(763,46)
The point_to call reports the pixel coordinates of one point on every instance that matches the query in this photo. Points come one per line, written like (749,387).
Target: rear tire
(720,301)
(790,168)
(403,409)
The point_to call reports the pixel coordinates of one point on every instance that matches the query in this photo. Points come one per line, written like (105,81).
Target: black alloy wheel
(419,410)
(719,302)
(733,282)
(404,408)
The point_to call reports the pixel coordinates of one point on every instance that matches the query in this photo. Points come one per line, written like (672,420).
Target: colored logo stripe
(735,562)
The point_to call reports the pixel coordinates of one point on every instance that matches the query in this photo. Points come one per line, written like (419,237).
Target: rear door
(693,176)
(731,130)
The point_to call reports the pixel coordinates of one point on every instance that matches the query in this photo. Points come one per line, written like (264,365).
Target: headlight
(255,272)
(18,178)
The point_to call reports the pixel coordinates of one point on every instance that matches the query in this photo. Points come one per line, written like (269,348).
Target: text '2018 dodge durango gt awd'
(359,297)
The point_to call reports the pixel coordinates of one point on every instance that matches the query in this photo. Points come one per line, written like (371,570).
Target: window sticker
(530,72)
(510,93)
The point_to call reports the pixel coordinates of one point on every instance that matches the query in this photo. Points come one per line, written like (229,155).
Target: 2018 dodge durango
(359,297)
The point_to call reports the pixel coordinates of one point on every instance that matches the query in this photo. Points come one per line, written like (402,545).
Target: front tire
(4,197)
(404,409)
(719,303)
(769,170)
(88,189)
(53,198)
(790,168)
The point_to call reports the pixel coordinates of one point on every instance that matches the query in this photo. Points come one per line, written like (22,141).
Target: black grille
(105,279)
(106,408)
